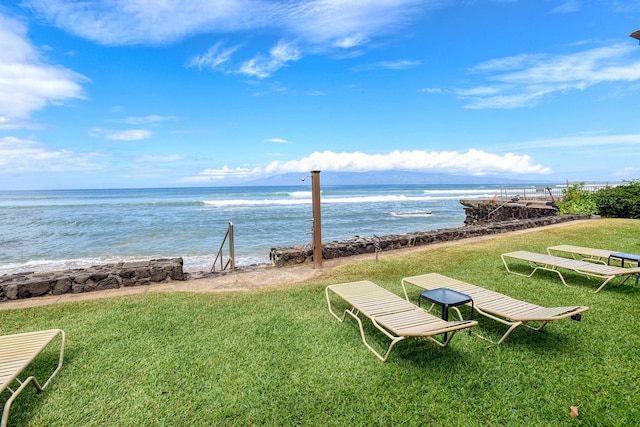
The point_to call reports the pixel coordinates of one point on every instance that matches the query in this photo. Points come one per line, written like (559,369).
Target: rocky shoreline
(136,274)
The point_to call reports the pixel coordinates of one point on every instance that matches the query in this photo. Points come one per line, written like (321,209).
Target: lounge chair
(504,309)
(395,317)
(582,253)
(553,263)
(16,353)
(602,256)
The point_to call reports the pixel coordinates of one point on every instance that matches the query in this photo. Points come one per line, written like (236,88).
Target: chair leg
(445,343)
(394,339)
(14,394)
(606,282)
(511,329)
(32,380)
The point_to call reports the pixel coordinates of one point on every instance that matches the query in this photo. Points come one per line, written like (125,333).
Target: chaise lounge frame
(17,351)
(392,315)
(582,253)
(494,305)
(553,263)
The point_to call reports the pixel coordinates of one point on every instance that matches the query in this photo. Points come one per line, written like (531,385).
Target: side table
(622,256)
(446,298)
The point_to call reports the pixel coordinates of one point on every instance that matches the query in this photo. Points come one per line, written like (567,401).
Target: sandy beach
(250,278)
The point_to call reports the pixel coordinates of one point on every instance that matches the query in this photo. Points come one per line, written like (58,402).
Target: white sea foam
(326,200)
(263,202)
(412,214)
(457,191)
(61,230)
(203,263)
(305,194)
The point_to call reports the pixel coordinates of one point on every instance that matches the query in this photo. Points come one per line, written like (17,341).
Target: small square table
(446,298)
(622,256)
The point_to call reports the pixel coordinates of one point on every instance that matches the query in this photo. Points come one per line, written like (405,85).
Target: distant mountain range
(388,178)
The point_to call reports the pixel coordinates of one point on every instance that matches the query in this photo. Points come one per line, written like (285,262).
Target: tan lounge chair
(581,253)
(392,315)
(504,309)
(16,353)
(602,256)
(553,263)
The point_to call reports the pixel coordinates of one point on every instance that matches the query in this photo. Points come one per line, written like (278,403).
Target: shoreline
(255,277)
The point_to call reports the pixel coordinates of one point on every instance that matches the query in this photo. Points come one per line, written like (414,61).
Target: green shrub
(577,200)
(622,201)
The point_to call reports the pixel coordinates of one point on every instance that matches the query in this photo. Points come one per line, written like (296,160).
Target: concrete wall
(27,285)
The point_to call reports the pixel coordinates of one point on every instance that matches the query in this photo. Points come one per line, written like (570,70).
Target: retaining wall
(111,276)
(483,211)
(365,245)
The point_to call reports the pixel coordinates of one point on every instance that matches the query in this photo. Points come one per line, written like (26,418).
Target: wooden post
(317,219)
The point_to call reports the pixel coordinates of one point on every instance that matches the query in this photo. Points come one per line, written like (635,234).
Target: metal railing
(231,261)
(543,193)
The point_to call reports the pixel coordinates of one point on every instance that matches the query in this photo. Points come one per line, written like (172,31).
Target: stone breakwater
(111,276)
(365,245)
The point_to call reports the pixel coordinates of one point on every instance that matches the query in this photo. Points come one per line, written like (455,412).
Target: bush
(577,200)
(622,201)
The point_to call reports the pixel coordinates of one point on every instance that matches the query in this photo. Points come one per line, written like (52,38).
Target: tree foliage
(577,200)
(622,201)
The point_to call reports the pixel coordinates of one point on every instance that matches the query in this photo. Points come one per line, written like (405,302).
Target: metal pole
(317,219)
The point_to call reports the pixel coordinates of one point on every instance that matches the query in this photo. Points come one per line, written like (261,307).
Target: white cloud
(264,66)
(480,91)
(525,80)
(433,90)
(215,58)
(150,119)
(121,135)
(351,23)
(261,66)
(149,21)
(471,162)
(400,64)
(159,159)
(209,175)
(350,41)
(279,141)
(27,82)
(28,156)
(338,22)
(319,26)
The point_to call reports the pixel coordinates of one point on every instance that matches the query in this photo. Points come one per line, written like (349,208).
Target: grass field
(277,357)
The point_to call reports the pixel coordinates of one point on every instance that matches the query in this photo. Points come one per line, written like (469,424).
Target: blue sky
(141,93)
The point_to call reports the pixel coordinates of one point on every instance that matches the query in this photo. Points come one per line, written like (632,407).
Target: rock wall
(112,276)
(365,245)
(483,211)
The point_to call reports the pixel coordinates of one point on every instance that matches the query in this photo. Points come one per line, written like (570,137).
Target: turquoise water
(77,228)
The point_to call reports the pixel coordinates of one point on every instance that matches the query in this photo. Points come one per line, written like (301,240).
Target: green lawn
(277,357)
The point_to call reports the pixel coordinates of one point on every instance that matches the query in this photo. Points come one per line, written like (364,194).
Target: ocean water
(46,230)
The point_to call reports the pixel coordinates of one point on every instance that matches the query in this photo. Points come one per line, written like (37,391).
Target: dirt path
(251,278)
